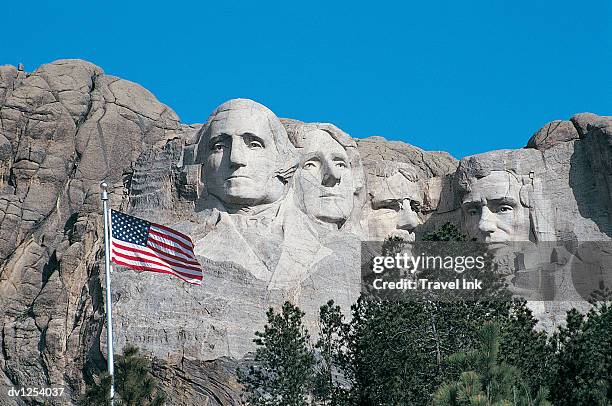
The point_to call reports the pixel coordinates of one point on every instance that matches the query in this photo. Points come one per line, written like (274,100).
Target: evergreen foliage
(582,371)
(447,232)
(397,349)
(485,380)
(526,348)
(334,366)
(134,383)
(419,353)
(424,351)
(97,394)
(283,370)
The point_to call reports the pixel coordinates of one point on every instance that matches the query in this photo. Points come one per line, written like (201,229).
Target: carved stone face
(325,180)
(395,203)
(241,159)
(493,211)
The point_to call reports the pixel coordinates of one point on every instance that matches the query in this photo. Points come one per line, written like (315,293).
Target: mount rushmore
(277,210)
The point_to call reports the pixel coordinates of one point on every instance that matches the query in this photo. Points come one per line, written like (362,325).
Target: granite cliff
(67,126)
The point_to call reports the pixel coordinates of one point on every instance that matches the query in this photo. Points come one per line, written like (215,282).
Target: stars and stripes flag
(145,246)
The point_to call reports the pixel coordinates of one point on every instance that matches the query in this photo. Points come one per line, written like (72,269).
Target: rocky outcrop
(598,150)
(67,126)
(63,128)
(552,134)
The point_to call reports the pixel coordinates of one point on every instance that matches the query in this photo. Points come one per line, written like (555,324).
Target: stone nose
(408,218)
(238,154)
(488,222)
(331,175)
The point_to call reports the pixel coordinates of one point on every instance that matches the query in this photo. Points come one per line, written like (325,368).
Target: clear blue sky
(460,76)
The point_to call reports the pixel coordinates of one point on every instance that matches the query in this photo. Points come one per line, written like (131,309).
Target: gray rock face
(63,128)
(598,151)
(552,134)
(67,126)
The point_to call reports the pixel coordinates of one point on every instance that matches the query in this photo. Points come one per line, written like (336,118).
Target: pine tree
(583,359)
(98,393)
(484,380)
(282,373)
(526,348)
(448,241)
(397,348)
(387,342)
(333,370)
(448,232)
(134,383)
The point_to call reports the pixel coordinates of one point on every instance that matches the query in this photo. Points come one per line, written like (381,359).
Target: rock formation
(277,209)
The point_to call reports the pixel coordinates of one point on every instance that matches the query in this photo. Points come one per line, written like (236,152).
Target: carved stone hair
(386,169)
(480,166)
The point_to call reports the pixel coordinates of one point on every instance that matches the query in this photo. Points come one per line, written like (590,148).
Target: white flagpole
(109,307)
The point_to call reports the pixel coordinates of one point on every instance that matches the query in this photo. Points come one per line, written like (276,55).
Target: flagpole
(109,307)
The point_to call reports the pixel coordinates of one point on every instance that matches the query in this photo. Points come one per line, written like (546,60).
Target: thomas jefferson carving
(329,180)
(326,181)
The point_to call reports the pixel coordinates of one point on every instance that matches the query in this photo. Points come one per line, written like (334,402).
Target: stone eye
(218,146)
(473,211)
(341,164)
(309,164)
(504,209)
(255,144)
(393,205)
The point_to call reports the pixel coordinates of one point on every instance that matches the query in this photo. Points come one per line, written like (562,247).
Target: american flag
(145,246)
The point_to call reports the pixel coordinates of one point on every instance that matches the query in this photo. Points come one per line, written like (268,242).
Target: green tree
(397,350)
(484,380)
(583,359)
(134,383)
(448,242)
(388,344)
(333,369)
(282,373)
(98,393)
(447,232)
(524,347)
(397,347)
